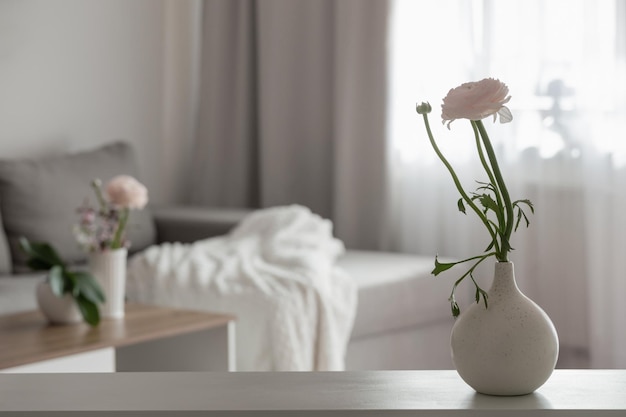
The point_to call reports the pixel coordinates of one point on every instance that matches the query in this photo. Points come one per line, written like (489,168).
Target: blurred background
(254,103)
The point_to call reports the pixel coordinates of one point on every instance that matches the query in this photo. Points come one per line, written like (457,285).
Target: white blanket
(276,272)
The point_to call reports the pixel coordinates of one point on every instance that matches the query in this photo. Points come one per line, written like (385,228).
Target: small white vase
(58,310)
(509,348)
(109,270)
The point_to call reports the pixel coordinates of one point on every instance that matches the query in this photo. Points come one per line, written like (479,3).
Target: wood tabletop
(27,337)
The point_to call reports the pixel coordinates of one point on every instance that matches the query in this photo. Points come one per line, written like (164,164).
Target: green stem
(481,257)
(117,239)
(457,183)
(497,192)
(96,185)
(506,247)
(468,272)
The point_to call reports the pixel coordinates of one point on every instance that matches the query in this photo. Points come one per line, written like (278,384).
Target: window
(563,61)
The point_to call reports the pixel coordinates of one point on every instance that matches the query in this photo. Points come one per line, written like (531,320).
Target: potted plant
(101,232)
(66,294)
(506,345)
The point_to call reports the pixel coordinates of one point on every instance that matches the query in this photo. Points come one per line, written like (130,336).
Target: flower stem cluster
(116,216)
(103,228)
(491,201)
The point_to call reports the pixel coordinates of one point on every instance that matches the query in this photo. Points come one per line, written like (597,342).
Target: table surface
(396,393)
(27,337)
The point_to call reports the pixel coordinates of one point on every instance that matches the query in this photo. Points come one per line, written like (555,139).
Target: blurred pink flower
(126,192)
(104,228)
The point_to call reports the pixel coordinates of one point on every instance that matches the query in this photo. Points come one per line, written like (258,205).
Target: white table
(569,393)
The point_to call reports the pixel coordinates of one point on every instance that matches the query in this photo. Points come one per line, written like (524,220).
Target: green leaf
(521,214)
(461,206)
(488,202)
(41,251)
(529,203)
(440,267)
(456,311)
(480,292)
(57,283)
(24,245)
(70,283)
(518,219)
(89,287)
(89,310)
(486,186)
(38,264)
(485,297)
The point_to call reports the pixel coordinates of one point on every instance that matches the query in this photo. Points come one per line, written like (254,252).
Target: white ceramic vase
(58,310)
(509,348)
(109,270)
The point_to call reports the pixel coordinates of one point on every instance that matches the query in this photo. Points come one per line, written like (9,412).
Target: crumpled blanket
(276,272)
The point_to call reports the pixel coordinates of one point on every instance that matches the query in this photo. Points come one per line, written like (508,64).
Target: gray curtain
(292,110)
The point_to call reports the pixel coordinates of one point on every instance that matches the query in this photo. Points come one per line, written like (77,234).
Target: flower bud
(423,108)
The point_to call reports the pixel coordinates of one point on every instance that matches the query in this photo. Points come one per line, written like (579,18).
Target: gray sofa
(39,199)
(171,224)
(402,321)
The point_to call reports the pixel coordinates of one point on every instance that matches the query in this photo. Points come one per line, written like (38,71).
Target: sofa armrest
(188,224)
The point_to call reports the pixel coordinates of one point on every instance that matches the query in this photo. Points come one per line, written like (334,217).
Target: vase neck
(503,279)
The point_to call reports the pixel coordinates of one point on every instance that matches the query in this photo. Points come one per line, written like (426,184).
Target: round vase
(109,270)
(510,347)
(58,310)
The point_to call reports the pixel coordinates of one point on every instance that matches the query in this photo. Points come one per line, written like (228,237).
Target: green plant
(81,285)
(491,201)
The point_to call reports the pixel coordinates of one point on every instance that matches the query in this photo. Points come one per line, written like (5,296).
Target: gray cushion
(39,198)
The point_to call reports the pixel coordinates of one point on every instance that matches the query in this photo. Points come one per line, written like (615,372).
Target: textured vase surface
(58,310)
(509,348)
(109,269)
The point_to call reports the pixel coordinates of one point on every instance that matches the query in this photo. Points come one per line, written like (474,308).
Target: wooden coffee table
(148,338)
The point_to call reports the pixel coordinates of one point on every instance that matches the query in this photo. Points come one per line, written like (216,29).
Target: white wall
(78,73)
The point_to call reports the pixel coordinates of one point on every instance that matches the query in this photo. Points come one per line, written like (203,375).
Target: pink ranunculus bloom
(477,100)
(125,191)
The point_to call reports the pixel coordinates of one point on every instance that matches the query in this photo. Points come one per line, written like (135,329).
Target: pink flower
(87,216)
(477,100)
(126,192)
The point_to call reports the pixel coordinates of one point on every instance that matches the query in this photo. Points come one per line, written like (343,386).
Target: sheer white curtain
(563,61)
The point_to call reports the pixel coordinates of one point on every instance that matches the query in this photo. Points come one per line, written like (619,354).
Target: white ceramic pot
(58,310)
(509,348)
(109,269)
